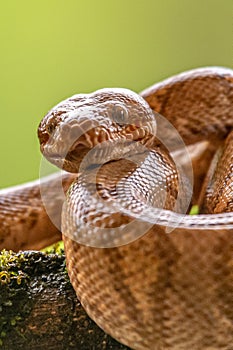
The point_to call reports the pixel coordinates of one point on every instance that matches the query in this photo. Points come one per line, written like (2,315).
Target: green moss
(194,210)
(56,248)
(10,267)
(13,291)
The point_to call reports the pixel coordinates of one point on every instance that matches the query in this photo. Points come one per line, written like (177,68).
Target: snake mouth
(103,148)
(69,160)
(63,163)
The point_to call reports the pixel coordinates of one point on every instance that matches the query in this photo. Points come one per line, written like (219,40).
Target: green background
(53,49)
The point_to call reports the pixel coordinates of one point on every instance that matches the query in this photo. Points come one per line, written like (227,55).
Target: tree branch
(39,308)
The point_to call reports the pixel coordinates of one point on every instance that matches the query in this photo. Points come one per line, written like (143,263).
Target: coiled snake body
(153,287)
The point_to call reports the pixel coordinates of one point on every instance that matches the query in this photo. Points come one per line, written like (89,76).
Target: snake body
(164,289)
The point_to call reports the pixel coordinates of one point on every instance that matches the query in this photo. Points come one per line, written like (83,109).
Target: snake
(146,271)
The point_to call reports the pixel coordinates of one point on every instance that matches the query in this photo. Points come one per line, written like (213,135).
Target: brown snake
(165,289)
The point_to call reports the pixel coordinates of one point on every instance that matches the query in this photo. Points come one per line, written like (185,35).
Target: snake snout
(47,128)
(43,136)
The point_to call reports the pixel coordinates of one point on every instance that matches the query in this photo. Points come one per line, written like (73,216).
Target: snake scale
(152,288)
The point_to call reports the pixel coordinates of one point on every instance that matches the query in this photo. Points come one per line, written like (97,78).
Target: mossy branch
(39,308)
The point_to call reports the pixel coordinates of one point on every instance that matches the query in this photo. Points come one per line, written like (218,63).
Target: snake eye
(120,115)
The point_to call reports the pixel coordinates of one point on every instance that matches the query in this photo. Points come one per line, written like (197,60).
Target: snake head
(99,121)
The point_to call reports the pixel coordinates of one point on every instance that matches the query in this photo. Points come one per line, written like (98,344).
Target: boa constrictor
(148,273)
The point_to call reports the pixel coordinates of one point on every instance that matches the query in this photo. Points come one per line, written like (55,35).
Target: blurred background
(53,49)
